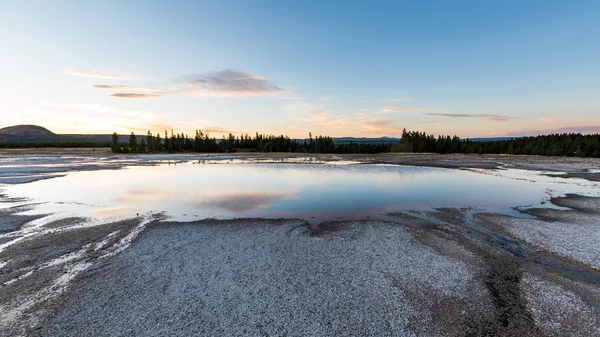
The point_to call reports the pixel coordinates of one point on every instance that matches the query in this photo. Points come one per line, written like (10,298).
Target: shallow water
(315,192)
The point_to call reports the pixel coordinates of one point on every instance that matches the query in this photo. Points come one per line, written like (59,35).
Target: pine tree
(114,145)
(142,147)
(133,146)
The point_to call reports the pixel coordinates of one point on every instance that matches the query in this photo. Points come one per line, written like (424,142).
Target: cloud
(495,118)
(124,87)
(217,130)
(583,129)
(375,126)
(574,129)
(399,108)
(228,83)
(225,84)
(496,134)
(190,126)
(322,116)
(148,127)
(97,74)
(134,95)
(329,120)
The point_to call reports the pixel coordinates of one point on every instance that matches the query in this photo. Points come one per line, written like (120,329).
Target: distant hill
(38,134)
(26,131)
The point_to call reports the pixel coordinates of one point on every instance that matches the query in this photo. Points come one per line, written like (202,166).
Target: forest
(571,145)
(411,141)
(202,142)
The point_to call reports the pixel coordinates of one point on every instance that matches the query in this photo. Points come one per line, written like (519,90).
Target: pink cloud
(495,118)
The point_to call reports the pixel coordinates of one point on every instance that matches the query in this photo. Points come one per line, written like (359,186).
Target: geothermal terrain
(372,245)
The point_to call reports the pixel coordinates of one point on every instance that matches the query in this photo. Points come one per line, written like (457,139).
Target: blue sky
(341,68)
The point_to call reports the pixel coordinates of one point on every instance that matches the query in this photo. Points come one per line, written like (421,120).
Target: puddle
(314,192)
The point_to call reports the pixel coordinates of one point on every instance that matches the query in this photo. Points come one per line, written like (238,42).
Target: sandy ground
(449,272)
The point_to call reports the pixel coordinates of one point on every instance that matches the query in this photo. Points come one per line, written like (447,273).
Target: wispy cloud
(400,108)
(317,115)
(220,84)
(152,127)
(124,87)
(495,118)
(217,130)
(134,95)
(376,126)
(583,129)
(229,83)
(329,120)
(97,74)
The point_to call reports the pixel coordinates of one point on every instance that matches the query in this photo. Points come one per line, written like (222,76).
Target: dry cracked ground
(444,272)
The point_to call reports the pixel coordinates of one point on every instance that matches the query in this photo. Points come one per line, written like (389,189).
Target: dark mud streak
(502,271)
(574,201)
(582,175)
(5,198)
(560,265)
(503,276)
(326,228)
(11,220)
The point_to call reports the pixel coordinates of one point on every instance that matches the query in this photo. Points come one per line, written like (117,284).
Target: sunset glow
(362,69)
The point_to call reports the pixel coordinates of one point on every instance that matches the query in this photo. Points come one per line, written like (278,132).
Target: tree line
(566,144)
(202,142)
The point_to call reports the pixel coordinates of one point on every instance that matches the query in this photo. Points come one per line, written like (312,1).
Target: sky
(337,68)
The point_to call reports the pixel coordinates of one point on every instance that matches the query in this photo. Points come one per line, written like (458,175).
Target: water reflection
(112,211)
(143,195)
(241,202)
(309,191)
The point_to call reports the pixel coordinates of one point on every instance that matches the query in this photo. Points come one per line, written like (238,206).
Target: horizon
(352,69)
(125,134)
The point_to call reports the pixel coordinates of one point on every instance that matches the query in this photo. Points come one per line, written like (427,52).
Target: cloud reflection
(241,202)
(231,201)
(112,210)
